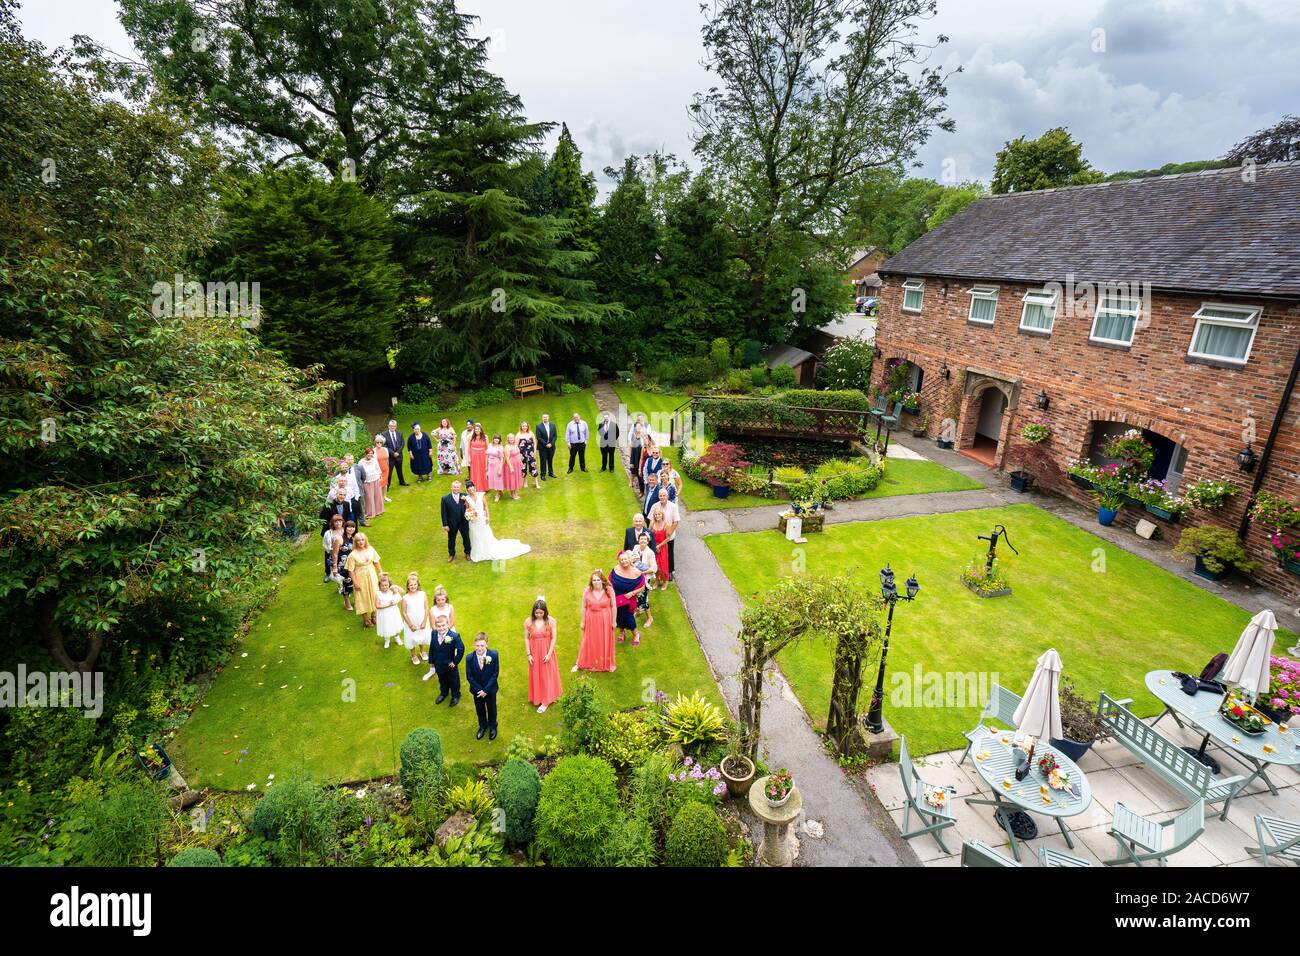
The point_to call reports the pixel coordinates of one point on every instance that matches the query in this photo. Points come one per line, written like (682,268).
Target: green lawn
(287,702)
(912,476)
(1112,615)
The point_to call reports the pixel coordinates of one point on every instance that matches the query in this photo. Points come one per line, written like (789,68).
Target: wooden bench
(527,385)
(1166,758)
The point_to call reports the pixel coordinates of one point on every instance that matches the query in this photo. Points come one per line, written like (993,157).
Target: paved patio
(1116,776)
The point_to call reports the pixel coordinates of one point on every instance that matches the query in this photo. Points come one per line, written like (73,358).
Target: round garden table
(996,764)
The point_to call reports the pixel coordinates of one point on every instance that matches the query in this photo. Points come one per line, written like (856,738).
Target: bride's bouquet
(470,514)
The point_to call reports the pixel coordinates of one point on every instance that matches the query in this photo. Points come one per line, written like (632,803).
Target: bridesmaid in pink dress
(512,468)
(540,635)
(478,470)
(596,652)
(496,454)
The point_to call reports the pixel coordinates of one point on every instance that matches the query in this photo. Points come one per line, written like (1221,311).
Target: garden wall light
(1043,401)
(945,372)
(1246,459)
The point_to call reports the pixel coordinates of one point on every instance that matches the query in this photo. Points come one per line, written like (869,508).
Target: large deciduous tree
(1278,143)
(1054,159)
(811,95)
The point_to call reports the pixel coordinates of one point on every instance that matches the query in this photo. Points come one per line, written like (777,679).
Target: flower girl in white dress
(388,616)
(415,615)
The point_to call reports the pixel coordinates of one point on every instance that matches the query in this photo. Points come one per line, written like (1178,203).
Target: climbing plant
(838,608)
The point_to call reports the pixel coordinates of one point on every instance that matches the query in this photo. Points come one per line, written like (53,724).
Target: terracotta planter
(738,782)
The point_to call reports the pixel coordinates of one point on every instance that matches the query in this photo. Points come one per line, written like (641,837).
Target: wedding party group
(612,604)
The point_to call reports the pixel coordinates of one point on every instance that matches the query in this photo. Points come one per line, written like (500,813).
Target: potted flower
(1216,551)
(1282,702)
(737,769)
(1110,491)
(1081,472)
(720,465)
(1132,449)
(1079,721)
(778,788)
(911,402)
(154,761)
(921,426)
(1208,494)
(1243,716)
(1157,501)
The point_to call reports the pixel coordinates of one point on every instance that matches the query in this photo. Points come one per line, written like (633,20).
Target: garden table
(1202,712)
(996,763)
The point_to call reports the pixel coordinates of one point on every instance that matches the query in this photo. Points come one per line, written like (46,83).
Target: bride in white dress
(483,544)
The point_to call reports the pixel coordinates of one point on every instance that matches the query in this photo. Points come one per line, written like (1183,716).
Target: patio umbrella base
(1021,823)
(1204,758)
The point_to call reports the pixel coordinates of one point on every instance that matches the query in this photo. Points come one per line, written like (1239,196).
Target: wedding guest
(575,436)
(421,448)
(338,506)
(448,460)
(442,605)
(628,584)
(596,611)
(385,472)
(356,475)
(415,617)
(607,439)
(659,528)
(496,454)
(674,478)
(363,565)
(540,636)
(672,518)
(481,671)
(478,463)
(528,455)
(546,438)
(374,484)
(388,614)
(332,540)
(466,434)
(631,535)
(657,484)
(651,463)
(512,467)
(636,445)
(645,561)
(395,443)
(342,552)
(447,651)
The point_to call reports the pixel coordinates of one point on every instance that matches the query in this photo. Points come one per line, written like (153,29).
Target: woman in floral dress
(528,454)
(445,436)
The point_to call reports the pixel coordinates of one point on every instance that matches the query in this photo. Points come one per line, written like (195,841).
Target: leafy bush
(421,756)
(850,399)
(783,376)
(742,412)
(692,721)
(789,474)
(472,797)
(738,381)
(583,376)
(196,856)
(458,773)
(568,388)
(631,843)
(477,847)
(720,354)
(417,393)
(518,789)
(720,463)
(124,825)
(577,811)
(696,838)
(847,364)
(758,375)
(632,735)
(481,398)
(583,719)
(299,821)
(1218,548)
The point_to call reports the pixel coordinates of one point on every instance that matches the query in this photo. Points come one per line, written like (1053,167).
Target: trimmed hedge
(517,790)
(851,399)
(696,838)
(577,812)
(422,764)
(195,856)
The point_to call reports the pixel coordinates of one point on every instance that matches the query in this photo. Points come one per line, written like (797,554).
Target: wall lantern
(945,372)
(1042,401)
(1246,459)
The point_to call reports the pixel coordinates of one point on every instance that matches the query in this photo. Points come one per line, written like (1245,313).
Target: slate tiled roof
(1198,232)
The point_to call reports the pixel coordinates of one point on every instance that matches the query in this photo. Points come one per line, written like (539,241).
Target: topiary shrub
(299,820)
(421,756)
(720,354)
(583,719)
(196,856)
(517,792)
(696,838)
(783,376)
(577,811)
(758,375)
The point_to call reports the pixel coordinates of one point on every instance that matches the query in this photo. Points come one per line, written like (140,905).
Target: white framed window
(1039,312)
(983,304)
(1115,319)
(1224,332)
(913,292)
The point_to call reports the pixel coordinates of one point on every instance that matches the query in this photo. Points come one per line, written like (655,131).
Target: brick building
(1169,304)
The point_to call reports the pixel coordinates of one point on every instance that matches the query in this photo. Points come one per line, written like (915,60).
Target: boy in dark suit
(481,670)
(447,651)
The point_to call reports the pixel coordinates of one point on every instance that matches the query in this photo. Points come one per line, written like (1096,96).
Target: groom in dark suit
(395,442)
(481,670)
(454,521)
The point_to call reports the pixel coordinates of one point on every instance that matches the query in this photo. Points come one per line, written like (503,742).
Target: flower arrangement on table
(1058,778)
(1284,685)
(778,786)
(1242,716)
(1209,494)
(1036,431)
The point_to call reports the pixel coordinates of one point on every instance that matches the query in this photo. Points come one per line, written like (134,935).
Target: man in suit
(395,442)
(356,476)
(447,651)
(638,528)
(575,435)
(481,670)
(546,437)
(652,492)
(607,439)
(338,504)
(454,521)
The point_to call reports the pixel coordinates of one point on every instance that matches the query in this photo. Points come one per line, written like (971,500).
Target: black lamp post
(1246,459)
(874,720)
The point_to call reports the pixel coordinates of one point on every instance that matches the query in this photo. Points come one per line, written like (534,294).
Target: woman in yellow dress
(363,566)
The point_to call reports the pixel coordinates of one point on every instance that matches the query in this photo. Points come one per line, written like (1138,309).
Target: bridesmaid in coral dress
(478,444)
(596,652)
(659,528)
(540,635)
(512,477)
(496,455)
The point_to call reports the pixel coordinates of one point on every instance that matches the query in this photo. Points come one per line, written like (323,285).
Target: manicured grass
(911,476)
(291,702)
(1112,615)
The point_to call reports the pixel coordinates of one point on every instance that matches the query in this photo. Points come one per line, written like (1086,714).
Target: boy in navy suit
(447,649)
(481,669)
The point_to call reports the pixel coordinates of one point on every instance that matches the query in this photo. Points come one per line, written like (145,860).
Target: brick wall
(1151,384)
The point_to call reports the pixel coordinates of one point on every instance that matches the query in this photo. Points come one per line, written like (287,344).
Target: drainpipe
(1268,447)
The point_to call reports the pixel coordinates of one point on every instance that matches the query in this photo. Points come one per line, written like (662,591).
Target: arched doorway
(990,408)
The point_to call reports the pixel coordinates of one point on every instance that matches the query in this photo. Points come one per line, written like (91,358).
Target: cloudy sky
(1140,82)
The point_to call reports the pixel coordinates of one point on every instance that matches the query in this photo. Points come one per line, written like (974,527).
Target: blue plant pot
(721,491)
(1073,749)
(1106,516)
(1202,571)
